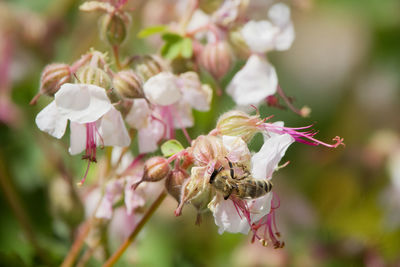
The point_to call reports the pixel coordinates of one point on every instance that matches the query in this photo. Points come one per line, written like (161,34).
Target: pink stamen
(306,137)
(91,146)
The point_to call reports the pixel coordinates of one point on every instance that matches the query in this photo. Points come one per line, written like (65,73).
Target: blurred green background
(339,207)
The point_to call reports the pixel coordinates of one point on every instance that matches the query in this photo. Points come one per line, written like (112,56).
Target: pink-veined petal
(150,136)
(265,161)
(82,103)
(226,217)
(138,114)
(51,121)
(182,115)
(254,82)
(237,149)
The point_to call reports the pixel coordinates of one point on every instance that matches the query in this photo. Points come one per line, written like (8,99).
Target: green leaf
(186,48)
(171,147)
(171,37)
(146,32)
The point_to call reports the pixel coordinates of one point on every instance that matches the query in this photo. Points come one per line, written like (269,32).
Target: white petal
(227,218)
(285,38)
(105,209)
(266,160)
(254,82)
(279,14)
(260,207)
(197,95)
(237,148)
(112,129)
(162,89)
(77,142)
(82,103)
(138,114)
(182,114)
(51,121)
(149,136)
(260,35)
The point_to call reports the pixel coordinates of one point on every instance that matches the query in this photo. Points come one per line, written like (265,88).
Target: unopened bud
(238,123)
(128,84)
(53,76)
(174,182)
(238,44)
(113,29)
(209,6)
(155,169)
(305,111)
(216,58)
(94,75)
(148,66)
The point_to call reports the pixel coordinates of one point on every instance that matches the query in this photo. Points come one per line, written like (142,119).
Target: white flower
(172,99)
(263,36)
(93,118)
(254,82)
(263,164)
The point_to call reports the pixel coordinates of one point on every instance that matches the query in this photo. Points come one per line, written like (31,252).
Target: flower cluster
(111,102)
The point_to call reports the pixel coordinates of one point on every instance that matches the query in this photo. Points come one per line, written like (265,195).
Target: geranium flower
(236,215)
(171,99)
(258,79)
(94,120)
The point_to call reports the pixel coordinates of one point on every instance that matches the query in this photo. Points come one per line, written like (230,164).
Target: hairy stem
(115,257)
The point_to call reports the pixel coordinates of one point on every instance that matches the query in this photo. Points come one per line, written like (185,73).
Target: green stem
(115,257)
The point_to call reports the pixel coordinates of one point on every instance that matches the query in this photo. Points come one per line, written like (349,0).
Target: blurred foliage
(331,212)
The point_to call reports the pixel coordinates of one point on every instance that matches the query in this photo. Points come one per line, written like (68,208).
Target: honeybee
(243,186)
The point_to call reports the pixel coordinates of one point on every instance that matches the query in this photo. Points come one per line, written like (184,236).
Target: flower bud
(65,203)
(94,75)
(207,148)
(238,123)
(147,66)
(128,84)
(155,169)
(238,44)
(174,182)
(209,6)
(200,202)
(113,29)
(53,76)
(216,58)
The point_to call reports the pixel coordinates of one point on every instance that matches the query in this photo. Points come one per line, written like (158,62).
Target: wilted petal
(138,114)
(260,35)
(227,218)
(51,121)
(237,148)
(112,129)
(82,103)
(150,135)
(162,89)
(113,190)
(266,160)
(133,199)
(254,82)
(77,138)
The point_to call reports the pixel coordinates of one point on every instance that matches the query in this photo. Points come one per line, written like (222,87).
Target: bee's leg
(230,192)
(215,172)
(231,168)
